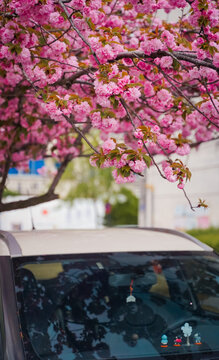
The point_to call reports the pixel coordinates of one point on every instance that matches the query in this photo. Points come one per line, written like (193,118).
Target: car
(112,293)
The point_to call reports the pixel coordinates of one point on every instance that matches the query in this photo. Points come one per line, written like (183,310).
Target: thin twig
(151,156)
(187,198)
(73,124)
(167,77)
(77,31)
(59,173)
(127,112)
(28,79)
(206,88)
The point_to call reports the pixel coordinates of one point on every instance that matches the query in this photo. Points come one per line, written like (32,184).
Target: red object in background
(157,267)
(203,222)
(45,212)
(108,208)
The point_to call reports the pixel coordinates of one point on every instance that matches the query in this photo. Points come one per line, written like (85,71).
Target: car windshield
(119,306)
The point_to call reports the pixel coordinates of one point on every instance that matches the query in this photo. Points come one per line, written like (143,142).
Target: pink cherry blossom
(164,96)
(108,145)
(114,72)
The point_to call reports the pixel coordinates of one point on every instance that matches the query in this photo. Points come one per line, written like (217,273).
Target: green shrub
(208,236)
(124,211)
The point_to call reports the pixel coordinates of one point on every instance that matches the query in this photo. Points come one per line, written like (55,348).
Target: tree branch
(140,54)
(187,198)
(4,176)
(59,174)
(21,204)
(74,77)
(151,156)
(179,56)
(36,200)
(77,31)
(71,121)
(167,77)
(196,144)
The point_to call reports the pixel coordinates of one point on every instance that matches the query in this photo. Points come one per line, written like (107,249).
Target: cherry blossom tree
(70,66)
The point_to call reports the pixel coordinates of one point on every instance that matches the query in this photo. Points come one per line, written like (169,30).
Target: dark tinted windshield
(121,305)
(1,327)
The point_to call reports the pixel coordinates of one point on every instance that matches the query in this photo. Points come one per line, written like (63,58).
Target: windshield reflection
(117,305)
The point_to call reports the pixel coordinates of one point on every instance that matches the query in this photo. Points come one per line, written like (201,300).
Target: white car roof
(51,242)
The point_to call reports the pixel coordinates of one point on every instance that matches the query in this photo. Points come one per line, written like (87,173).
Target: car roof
(51,242)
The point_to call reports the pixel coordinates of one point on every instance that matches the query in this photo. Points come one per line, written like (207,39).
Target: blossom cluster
(69,68)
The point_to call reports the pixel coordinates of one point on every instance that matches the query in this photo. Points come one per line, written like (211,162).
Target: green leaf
(131,157)
(114,102)
(122,145)
(107,113)
(15,48)
(184,114)
(78,15)
(44,96)
(147,160)
(131,85)
(203,21)
(90,24)
(202,5)
(63,14)
(176,65)
(41,40)
(3,73)
(125,171)
(43,63)
(128,6)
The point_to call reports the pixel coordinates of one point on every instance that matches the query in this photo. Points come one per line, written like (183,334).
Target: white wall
(171,209)
(83,214)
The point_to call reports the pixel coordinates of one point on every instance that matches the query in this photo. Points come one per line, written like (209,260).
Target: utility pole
(142,207)
(151,188)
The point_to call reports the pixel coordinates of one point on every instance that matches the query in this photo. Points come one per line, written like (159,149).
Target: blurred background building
(162,204)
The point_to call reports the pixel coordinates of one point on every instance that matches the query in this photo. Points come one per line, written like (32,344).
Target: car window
(2,335)
(204,277)
(121,305)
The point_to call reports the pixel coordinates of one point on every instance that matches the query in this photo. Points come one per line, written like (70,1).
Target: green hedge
(123,212)
(209,236)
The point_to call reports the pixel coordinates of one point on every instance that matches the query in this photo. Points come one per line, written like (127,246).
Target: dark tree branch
(21,204)
(4,176)
(196,144)
(82,135)
(77,75)
(178,55)
(36,200)
(177,89)
(189,57)
(76,29)
(59,174)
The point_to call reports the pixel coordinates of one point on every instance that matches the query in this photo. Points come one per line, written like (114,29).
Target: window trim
(13,344)
(2,326)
